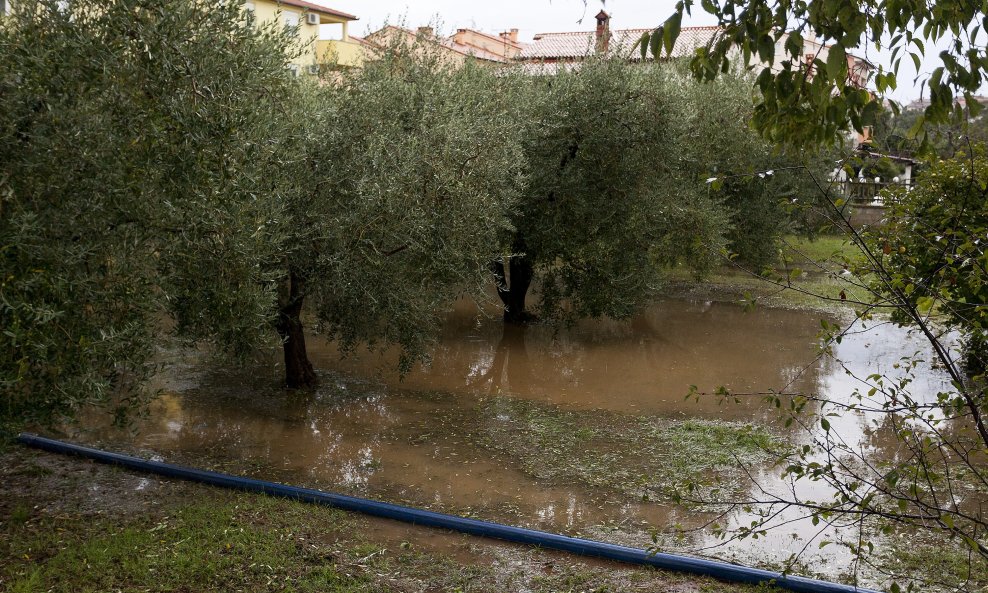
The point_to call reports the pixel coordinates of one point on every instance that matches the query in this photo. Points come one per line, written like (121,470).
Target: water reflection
(878,348)
(368,431)
(646,364)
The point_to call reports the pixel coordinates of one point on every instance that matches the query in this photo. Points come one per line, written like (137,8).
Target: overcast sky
(544,16)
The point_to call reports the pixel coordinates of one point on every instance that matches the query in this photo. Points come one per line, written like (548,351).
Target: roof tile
(622,42)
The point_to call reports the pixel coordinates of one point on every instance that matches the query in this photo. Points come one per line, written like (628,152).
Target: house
(310,18)
(455,50)
(860,178)
(505,45)
(549,52)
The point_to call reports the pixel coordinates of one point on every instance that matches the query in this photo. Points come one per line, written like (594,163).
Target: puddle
(519,425)
(646,364)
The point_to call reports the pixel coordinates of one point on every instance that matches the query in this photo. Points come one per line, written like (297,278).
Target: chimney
(426,32)
(603,31)
(511,36)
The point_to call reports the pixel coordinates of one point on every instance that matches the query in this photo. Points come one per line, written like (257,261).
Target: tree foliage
(160,168)
(619,155)
(602,207)
(419,175)
(761,188)
(891,134)
(932,244)
(814,100)
(410,168)
(135,138)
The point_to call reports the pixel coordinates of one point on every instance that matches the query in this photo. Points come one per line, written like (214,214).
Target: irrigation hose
(542,539)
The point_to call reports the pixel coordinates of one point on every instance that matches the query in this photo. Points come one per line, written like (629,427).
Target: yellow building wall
(266,11)
(314,51)
(341,53)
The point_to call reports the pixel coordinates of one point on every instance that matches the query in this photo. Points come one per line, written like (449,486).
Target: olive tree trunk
(512,287)
(298,369)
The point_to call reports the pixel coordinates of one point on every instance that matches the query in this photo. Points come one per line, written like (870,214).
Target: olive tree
(759,187)
(138,155)
(607,204)
(410,167)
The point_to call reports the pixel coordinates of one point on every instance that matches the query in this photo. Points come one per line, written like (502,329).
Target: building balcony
(341,53)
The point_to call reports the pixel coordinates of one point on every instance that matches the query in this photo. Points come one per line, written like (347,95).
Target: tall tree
(135,156)
(410,168)
(606,203)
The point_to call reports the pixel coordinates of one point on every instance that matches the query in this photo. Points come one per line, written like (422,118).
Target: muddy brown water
(644,365)
(367,431)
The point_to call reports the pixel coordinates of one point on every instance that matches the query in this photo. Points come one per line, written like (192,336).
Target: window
(294,69)
(291,18)
(3,7)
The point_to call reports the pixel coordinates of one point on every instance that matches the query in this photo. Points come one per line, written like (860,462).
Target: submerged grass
(808,274)
(182,537)
(636,456)
(932,563)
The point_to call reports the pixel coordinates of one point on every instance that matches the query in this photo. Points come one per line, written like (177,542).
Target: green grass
(225,543)
(196,538)
(823,248)
(806,275)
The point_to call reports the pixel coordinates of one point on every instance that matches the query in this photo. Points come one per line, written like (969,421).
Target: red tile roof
(364,42)
(580,44)
(472,50)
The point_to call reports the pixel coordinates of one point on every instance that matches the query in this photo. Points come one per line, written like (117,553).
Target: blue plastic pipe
(576,545)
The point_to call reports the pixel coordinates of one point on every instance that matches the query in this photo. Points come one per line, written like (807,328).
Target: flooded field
(579,432)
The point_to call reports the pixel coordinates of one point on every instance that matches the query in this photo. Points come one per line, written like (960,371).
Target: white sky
(545,16)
